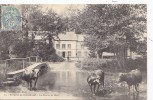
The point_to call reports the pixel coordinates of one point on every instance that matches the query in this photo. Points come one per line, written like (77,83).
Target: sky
(62,8)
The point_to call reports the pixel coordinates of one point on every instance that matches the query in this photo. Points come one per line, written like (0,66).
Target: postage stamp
(10,18)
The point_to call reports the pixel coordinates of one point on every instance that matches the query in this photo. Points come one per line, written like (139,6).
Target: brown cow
(133,78)
(31,75)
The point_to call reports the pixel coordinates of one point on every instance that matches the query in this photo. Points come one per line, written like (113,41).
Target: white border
(149,24)
(73,1)
(150,48)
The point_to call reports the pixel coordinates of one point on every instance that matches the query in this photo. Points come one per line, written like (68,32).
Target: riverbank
(111,65)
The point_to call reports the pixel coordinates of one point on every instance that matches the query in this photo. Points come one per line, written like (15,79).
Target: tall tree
(27,25)
(51,24)
(116,27)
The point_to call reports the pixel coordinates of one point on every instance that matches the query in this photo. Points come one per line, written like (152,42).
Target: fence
(14,64)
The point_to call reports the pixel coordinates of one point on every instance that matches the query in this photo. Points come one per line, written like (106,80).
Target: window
(57,46)
(79,54)
(69,46)
(69,53)
(63,46)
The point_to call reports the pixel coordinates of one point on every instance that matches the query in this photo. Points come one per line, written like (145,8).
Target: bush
(139,63)
(112,65)
(56,58)
(93,64)
(2,73)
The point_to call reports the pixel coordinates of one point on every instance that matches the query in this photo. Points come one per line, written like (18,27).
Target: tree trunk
(51,47)
(26,41)
(121,55)
(99,54)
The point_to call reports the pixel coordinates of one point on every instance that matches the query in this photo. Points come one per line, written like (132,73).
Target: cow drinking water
(96,78)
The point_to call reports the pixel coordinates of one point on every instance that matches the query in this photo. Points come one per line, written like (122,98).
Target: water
(63,81)
(75,82)
(66,78)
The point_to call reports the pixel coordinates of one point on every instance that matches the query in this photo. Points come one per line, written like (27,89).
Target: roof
(70,36)
(81,37)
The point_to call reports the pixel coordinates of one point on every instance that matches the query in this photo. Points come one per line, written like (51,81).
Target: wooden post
(23,63)
(5,63)
(5,67)
(29,59)
(36,58)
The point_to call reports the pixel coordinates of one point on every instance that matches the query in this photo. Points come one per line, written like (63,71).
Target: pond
(75,82)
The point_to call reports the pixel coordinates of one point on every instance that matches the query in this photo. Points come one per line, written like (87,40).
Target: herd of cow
(133,78)
(97,78)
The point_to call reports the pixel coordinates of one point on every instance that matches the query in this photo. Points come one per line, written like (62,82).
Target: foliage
(50,22)
(7,38)
(139,63)
(56,58)
(112,64)
(114,28)
(93,64)
(33,19)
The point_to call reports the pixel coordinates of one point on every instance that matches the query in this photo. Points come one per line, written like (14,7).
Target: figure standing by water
(68,58)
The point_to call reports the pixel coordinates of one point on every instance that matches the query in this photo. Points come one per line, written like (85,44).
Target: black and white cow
(96,78)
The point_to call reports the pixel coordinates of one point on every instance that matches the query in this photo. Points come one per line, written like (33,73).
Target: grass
(111,65)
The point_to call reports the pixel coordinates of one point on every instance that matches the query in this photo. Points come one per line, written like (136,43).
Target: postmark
(10,18)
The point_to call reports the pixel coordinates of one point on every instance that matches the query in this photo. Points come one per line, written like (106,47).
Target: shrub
(139,63)
(2,73)
(93,64)
(56,58)
(112,65)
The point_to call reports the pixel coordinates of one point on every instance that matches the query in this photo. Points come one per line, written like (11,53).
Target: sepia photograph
(73,51)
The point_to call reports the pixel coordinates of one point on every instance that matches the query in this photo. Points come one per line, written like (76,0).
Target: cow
(133,78)
(96,78)
(30,75)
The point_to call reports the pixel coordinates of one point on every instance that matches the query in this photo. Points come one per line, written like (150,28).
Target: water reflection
(62,80)
(75,82)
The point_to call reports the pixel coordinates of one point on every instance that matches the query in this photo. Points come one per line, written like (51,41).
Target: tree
(117,27)
(27,25)
(51,24)
(7,38)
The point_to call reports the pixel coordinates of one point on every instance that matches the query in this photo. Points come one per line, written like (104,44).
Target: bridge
(13,78)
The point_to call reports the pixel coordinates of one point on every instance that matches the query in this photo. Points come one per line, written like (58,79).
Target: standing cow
(30,75)
(96,78)
(133,78)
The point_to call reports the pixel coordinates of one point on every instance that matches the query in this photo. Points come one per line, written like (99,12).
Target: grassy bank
(111,65)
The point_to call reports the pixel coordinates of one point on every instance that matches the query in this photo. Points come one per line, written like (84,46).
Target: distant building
(70,45)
